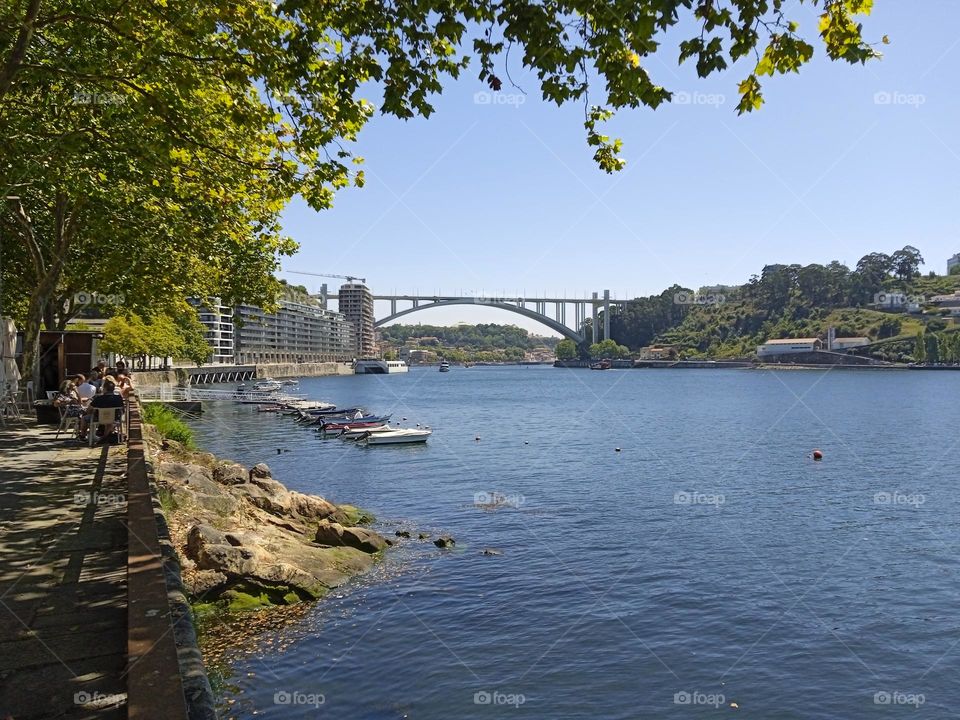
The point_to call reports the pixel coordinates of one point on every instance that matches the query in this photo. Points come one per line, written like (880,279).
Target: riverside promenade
(86,629)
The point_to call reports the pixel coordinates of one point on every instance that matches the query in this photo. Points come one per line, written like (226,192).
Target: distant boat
(444,366)
(374,366)
(602,365)
(396,437)
(290,382)
(267,385)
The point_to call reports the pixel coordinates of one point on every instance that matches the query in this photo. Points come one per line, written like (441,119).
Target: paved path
(63,577)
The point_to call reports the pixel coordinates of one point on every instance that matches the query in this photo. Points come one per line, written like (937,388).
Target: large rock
(266,494)
(336,535)
(210,549)
(310,507)
(200,536)
(260,470)
(202,582)
(230,474)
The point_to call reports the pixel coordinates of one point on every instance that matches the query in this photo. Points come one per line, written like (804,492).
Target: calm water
(709,562)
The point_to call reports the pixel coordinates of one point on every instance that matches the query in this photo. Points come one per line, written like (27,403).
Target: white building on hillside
(845,343)
(787,346)
(953,262)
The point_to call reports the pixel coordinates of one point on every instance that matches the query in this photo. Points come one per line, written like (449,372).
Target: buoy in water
(817,455)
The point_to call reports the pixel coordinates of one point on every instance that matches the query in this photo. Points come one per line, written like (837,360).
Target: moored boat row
(352,423)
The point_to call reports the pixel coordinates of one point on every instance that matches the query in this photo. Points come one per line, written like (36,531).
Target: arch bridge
(535,308)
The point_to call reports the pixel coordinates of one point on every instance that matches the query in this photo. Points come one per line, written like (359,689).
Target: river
(669,547)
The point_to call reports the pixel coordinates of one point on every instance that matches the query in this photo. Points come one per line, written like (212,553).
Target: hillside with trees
(484,342)
(788,301)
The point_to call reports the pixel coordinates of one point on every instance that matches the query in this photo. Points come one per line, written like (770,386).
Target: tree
(184,131)
(920,348)
(566,349)
(125,336)
(608,349)
(906,263)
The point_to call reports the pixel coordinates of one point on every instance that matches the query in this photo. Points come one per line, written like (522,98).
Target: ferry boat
(444,366)
(374,366)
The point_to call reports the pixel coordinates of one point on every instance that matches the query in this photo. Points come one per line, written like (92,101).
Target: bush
(168,424)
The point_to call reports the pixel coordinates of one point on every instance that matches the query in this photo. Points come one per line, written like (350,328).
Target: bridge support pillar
(594,328)
(606,314)
(393,307)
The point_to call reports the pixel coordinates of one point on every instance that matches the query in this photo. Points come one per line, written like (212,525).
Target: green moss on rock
(351,515)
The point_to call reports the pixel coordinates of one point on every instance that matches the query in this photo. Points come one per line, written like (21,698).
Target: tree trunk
(12,64)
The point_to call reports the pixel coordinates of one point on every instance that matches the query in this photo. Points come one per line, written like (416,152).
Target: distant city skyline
(499,194)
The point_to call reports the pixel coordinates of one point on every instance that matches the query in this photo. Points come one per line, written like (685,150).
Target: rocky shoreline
(245,541)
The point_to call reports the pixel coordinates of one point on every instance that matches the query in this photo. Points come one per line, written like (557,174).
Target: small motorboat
(444,366)
(396,437)
(267,385)
(352,433)
(344,423)
(602,365)
(289,382)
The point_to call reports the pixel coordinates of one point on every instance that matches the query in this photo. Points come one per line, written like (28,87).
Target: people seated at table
(96,379)
(108,398)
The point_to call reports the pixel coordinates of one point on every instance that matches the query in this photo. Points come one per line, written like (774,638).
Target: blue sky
(504,197)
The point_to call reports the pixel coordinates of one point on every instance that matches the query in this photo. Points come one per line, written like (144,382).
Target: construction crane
(348,278)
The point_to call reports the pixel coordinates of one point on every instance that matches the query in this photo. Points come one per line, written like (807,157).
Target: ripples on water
(786,586)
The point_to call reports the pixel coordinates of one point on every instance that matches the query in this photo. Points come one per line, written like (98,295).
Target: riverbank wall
(237,373)
(286,370)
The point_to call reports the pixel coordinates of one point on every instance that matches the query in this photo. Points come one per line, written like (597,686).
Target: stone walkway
(63,577)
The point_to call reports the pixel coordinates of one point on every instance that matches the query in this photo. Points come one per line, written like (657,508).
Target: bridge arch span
(554,325)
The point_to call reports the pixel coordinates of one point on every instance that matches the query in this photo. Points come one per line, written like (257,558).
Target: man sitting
(107,399)
(86,390)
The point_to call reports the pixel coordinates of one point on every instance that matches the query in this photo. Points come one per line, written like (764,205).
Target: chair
(68,421)
(28,396)
(103,417)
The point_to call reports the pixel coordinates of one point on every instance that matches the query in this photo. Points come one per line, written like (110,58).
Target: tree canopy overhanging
(150,147)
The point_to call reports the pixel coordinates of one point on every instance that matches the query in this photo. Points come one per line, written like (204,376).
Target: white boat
(395,437)
(267,385)
(444,366)
(374,366)
(357,433)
